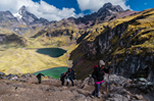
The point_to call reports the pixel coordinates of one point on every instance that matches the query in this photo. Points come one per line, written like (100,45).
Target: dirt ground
(28,89)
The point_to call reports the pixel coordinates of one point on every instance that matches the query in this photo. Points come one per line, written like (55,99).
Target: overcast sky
(59,9)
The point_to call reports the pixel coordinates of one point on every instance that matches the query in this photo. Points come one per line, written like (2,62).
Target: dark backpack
(62,76)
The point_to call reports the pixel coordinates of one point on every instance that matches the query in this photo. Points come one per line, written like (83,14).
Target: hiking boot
(98,97)
(91,96)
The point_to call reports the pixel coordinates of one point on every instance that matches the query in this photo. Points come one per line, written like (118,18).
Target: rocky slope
(26,88)
(125,44)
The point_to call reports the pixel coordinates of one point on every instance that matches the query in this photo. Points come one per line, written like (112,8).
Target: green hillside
(23,60)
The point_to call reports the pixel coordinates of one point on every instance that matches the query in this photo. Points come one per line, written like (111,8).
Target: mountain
(125,44)
(76,27)
(104,14)
(7,17)
(31,19)
(24,23)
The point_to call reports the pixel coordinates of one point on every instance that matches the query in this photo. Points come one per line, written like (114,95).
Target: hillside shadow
(53,52)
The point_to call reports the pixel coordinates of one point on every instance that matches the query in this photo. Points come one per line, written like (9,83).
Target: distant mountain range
(104,14)
(25,21)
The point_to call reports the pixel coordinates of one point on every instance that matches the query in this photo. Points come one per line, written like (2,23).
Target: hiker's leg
(72,81)
(39,80)
(99,86)
(67,83)
(97,89)
(95,92)
(62,82)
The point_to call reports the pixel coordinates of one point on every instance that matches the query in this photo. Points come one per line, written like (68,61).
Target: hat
(101,63)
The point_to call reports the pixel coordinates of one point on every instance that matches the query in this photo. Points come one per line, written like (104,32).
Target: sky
(60,9)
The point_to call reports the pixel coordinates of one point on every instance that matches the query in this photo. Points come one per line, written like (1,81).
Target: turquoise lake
(53,72)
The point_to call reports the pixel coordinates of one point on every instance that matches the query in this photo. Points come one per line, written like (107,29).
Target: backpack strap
(95,66)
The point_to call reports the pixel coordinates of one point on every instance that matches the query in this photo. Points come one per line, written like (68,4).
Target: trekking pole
(95,96)
(108,84)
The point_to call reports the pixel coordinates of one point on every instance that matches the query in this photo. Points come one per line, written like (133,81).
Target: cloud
(94,5)
(40,9)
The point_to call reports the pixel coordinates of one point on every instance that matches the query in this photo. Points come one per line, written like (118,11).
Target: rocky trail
(26,88)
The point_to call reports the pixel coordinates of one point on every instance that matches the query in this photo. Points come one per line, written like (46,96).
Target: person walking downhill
(39,77)
(70,76)
(98,76)
(62,78)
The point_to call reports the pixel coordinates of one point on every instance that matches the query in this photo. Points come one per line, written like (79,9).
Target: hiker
(62,78)
(39,77)
(98,76)
(70,76)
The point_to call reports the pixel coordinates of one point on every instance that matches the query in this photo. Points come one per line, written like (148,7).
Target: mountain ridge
(125,44)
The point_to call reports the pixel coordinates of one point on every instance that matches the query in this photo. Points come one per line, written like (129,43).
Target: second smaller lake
(53,72)
(53,52)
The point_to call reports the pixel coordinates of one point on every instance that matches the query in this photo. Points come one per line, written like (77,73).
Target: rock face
(124,44)
(119,89)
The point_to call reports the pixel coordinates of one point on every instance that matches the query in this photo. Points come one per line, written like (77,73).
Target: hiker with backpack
(62,78)
(70,76)
(39,77)
(98,76)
